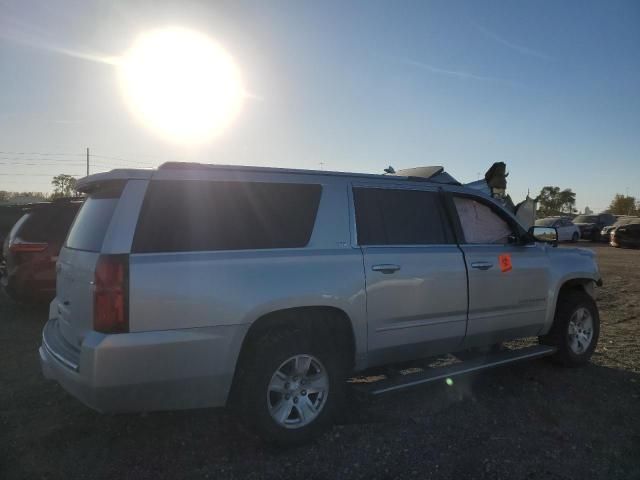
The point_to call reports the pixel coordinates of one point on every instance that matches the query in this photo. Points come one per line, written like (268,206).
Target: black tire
(261,362)
(568,304)
(575,237)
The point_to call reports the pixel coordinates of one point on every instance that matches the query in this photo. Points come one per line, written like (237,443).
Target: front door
(416,282)
(508,282)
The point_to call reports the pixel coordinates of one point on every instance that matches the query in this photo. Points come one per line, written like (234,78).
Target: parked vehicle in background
(31,249)
(591,225)
(620,220)
(567,231)
(626,235)
(9,215)
(265,289)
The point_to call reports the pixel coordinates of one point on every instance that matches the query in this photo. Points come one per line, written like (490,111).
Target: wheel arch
(331,321)
(581,283)
(586,283)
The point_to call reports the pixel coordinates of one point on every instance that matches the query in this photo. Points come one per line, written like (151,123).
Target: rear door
(508,282)
(77,261)
(416,281)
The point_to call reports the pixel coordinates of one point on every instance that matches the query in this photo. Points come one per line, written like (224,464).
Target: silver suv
(266,289)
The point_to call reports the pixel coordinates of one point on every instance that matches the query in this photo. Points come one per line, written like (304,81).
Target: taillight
(20,246)
(111,294)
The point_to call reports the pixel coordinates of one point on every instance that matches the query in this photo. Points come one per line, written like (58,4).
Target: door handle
(385,268)
(482,265)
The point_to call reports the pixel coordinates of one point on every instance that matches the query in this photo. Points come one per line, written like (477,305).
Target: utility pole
(87,160)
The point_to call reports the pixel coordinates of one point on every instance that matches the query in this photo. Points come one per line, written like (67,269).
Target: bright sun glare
(181,84)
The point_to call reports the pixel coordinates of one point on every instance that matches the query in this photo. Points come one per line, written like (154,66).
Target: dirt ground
(528,421)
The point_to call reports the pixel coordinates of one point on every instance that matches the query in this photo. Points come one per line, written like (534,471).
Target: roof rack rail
(178,165)
(419,174)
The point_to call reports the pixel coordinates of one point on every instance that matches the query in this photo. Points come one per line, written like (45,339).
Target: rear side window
(180,216)
(92,221)
(400,217)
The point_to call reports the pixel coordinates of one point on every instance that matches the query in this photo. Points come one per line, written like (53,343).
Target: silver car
(265,289)
(567,231)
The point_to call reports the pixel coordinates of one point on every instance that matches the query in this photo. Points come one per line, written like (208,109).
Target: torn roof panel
(434,174)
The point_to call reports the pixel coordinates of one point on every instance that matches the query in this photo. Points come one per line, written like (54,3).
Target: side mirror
(545,234)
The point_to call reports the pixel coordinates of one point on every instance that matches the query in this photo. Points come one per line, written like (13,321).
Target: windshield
(546,222)
(586,219)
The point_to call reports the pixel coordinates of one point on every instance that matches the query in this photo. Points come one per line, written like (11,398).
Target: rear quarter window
(181,216)
(93,219)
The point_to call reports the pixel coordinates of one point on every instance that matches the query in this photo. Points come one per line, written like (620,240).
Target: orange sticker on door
(505,262)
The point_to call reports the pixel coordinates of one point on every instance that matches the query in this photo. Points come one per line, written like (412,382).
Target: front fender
(575,265)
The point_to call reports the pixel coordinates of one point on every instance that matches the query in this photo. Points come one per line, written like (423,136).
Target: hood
(582,225)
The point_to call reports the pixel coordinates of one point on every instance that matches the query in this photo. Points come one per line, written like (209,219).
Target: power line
(38,164)
(42,153)
(120,159)
(36,174)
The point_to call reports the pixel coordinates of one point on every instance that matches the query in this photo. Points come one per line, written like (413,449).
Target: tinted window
(546,222)
(92,221)
(400,217)
(196,216)
(47,223)
(586,219)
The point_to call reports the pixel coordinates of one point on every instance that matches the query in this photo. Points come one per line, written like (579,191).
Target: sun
(181,84)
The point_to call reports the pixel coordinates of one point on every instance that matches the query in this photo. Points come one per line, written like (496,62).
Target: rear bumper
(164,370)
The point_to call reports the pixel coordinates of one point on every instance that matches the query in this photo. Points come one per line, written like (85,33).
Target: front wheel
(575,329)
(291,388)
(575,237)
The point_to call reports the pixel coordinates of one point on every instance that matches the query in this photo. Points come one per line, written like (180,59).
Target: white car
(567,231)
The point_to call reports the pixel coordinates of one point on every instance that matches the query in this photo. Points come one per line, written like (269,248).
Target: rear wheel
(575,329)
(290,387)
(575,237)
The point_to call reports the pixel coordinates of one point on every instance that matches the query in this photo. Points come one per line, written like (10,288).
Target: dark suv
(591,225)
(9,215)
(31,249)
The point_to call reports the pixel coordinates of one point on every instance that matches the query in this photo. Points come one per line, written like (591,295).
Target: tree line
(63,186)
(552,201)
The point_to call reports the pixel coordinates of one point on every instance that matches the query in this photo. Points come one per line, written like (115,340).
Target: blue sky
(551,88)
